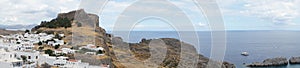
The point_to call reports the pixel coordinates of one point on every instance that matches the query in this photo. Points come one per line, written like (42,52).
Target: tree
(27,31)
(18,42)
(40,43)
(49,52)
(45,65)
(99,52)
(24,58)
(55,23)
(56,46)
(79,24)
(41,48)
(58,37)
(67,22)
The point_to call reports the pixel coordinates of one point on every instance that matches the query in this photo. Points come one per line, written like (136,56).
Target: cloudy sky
(237,14)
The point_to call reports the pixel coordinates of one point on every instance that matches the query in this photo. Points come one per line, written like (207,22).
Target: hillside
(19,26)
(174,56)
(82,32)
(7,32)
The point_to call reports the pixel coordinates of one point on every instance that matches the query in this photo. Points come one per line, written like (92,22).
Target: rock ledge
(279,61)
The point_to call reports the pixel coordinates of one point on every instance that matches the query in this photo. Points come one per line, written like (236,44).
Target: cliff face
(80,15)
(82,27)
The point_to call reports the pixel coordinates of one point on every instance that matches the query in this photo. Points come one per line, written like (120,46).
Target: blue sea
(259,44)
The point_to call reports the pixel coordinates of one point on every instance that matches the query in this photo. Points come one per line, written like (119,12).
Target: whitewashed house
(45,58)
(8,60)
(61,35)
(31,40)
(32,56)
(68,51)
(24,46)
(62,62)
(58,51)
(42,34)
(51,43)
(45,37)
(58,42)
(26,35)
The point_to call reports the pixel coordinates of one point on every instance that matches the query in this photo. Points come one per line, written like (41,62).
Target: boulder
(294,60)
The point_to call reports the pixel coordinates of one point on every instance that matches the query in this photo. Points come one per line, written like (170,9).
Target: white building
(51,43)
(61,35)
(58,51)
(59,42)
(32,56)
(68,51)
(9,60)
(24,46)
(62,62)
(45,37)
(11,63)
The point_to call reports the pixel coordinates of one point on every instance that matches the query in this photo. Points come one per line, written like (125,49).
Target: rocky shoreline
(278,61)
(270,62)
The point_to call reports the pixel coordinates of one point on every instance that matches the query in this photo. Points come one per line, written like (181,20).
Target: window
(36,57)
(29,57)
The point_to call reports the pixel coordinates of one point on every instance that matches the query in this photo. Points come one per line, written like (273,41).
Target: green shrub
(56,23)
(49,52)
(56,46)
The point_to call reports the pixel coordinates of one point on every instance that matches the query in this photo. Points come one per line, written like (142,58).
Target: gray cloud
(280,12)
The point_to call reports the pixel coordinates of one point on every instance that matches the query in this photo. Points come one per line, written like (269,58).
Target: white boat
(245,53)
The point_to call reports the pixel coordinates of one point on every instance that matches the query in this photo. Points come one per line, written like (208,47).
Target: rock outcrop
(173,55)
(80,15)
(279,61)
(294,60)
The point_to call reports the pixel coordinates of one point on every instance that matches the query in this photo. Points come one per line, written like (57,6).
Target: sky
(237,14)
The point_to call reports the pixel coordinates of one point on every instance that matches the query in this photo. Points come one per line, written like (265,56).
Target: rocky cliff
(82,25)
